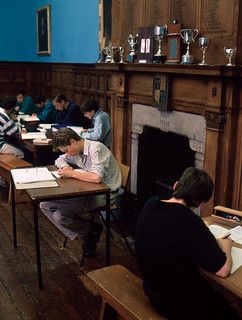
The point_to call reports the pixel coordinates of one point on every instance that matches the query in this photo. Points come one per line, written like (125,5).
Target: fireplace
(163,145)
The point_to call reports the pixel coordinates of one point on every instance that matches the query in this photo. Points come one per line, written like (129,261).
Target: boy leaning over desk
(99,165)
(173,243)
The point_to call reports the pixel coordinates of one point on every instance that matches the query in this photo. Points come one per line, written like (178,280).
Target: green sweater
(27,106)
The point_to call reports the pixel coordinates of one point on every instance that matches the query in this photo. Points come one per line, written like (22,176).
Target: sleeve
(10,128)
(204,248)
(28,106)
(96,133)
(48,113)
(61,161)
(98,160)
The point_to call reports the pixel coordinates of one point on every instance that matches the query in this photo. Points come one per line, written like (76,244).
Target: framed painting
(43,30)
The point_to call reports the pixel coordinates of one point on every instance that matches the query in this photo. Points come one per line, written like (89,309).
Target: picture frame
(161,92)
(43,30)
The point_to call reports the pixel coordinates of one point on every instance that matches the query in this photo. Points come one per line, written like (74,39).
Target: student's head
(60,101)
(194,187)
(8,104)
(39,101)
(67,141)
(20,95)
(89,108)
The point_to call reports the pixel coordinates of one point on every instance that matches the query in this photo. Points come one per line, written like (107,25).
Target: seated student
(173,243)
(25,103)
(9,132)
(101,123)
(99,165)
(46,109)
(67,113)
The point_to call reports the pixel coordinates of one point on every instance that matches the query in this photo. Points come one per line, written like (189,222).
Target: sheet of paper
(47,125)
(218,231)
(236,234)
(237,258)
(33,135)
(29,175)
(78,130)
(56,174)
(29,118)
(35,185)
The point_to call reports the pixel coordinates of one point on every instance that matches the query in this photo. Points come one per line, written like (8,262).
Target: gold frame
(43,39)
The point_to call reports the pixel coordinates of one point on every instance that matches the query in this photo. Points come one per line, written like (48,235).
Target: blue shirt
(46,114)
(27,106)
(71,116)
(101,128)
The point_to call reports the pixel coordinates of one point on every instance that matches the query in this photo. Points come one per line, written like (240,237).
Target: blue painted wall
(74,30)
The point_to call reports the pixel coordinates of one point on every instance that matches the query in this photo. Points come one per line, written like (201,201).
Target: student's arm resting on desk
(84,176)
(225,245)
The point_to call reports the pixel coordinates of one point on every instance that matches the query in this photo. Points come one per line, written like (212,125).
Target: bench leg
(107,312)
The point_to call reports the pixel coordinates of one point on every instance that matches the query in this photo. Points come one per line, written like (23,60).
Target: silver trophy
(188,36)
(121,54)
(132,40)
(203,44)
(230,54)
(159,33)
(109,53)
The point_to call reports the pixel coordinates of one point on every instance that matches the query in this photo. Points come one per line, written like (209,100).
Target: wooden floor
(67,293)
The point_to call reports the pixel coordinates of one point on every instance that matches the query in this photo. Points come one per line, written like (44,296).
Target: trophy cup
(121,54)
(159,32)
(109,53)
(203,44)
(132,40)
(230,54)
(188,35)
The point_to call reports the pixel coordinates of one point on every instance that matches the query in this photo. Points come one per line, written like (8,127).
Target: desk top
(68,187)
(234,281)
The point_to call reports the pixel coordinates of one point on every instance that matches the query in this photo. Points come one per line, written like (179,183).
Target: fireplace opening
(162,157)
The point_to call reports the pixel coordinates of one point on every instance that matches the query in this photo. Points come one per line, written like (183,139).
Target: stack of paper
(29,178)
(33,135)
(237,258)
(28,118)
(218,231)
(236,234)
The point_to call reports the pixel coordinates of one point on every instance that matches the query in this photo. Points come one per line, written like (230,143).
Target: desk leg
(37,244)
(107,229)
(13,213)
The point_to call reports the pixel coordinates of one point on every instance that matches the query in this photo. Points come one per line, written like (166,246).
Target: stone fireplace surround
(190,125)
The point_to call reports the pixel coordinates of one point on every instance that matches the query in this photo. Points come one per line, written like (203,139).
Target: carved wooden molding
(215,120)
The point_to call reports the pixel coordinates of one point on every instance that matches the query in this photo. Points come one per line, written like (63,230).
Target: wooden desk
(39,154)
(232,284)
(68,188)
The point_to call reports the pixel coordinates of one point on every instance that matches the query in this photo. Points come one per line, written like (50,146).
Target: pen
(228,235)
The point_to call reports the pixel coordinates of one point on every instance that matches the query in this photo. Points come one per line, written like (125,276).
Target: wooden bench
(7,163)
(122,294)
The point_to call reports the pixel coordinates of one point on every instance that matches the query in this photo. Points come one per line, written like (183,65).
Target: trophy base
(159,59)
(203,64)
(187,59)
(131,58)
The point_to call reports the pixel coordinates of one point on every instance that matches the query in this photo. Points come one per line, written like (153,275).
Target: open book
(29,178)
(235,233)
(237,258)
(33,135)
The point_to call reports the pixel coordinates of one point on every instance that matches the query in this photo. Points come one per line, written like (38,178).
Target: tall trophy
(132,40)
(230,54)
(121,54)
(188,36)
(203,44)
(159,33)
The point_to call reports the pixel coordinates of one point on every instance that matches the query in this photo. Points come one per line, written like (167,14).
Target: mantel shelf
(193,69)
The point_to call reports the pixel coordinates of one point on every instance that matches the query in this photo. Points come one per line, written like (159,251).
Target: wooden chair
(125,172)
(122,294)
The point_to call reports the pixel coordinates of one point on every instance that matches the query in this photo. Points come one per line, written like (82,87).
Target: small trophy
(159,32)
(132,40)
(188,36)
(230,54)
(121,54)
(203,44)
(109,53)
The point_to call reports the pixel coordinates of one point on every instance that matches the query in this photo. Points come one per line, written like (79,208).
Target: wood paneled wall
(213,92)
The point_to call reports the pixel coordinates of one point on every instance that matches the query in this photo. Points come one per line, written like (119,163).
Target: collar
(96,114)
(4,112)
(86,147)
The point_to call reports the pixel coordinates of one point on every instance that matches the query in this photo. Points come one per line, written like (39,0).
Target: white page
(29,118)
(29,175)
(218,231)
(78,130)
(236,234)
(237,258)
(47,125)
(35,185)
(33,135)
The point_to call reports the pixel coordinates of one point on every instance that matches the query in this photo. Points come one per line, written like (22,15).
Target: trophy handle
(196,32)
(181,34)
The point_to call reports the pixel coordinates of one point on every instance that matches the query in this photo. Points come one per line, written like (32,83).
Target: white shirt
(96,158)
